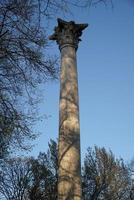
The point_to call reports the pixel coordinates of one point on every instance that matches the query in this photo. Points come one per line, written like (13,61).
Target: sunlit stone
(69,175)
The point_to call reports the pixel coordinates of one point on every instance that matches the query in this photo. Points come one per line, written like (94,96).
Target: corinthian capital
(67,33)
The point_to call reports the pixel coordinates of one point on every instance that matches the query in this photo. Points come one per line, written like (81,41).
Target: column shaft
(67,35)
(69,182)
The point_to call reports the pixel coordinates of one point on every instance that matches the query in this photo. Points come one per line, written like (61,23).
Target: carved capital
(67,33)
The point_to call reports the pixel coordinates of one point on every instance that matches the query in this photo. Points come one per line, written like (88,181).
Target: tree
(30,178)
(105,177)
(131,171)
(23,65)
(45,169)
(15,178)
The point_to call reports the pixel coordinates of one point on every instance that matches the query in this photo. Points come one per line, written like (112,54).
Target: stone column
(69,165)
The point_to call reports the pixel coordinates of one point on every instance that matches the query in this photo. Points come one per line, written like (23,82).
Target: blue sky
(105,60)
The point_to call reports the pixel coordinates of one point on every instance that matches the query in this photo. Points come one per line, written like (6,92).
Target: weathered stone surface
(67,35)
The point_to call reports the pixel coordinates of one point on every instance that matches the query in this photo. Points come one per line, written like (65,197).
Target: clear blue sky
(105,60)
